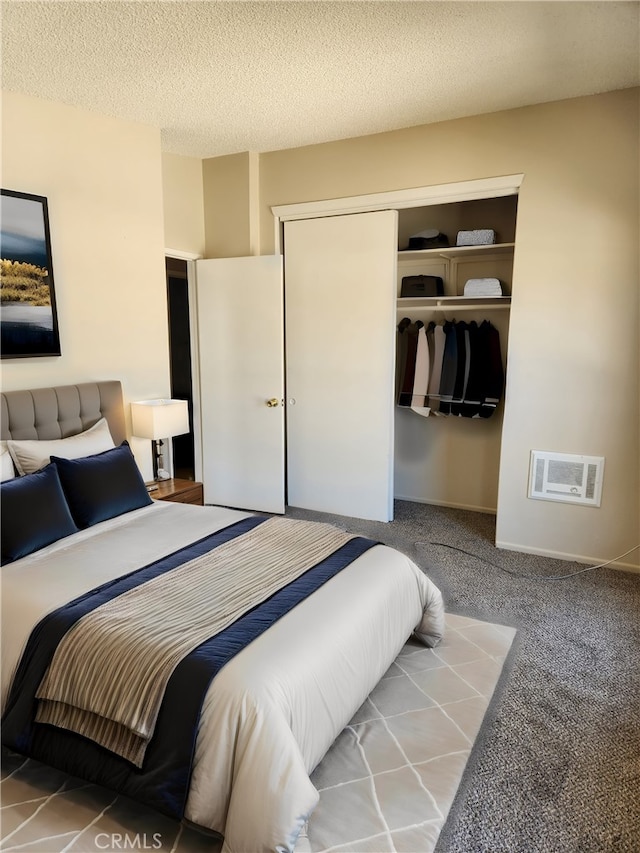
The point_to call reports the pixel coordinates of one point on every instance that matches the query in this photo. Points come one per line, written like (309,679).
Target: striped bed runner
(108,675)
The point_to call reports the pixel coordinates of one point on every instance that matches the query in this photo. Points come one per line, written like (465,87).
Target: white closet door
(240,334)
(340,291)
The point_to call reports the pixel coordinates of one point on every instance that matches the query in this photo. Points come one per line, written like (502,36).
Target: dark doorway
(180,362)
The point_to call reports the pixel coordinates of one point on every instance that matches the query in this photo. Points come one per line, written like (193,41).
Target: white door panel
(340,290)
(240,329)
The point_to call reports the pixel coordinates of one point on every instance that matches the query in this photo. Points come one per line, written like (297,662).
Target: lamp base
(159,471)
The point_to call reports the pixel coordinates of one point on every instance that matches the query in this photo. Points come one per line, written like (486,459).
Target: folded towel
(483,287)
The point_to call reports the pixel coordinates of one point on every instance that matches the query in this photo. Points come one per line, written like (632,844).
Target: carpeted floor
(556,768)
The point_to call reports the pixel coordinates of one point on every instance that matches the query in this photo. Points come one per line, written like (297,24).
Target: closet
(297,371)
(455,460)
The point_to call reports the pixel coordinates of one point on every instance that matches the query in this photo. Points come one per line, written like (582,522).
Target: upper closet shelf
(456,251)
(460,303)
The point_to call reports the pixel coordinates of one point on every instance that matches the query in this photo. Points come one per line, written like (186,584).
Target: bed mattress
(272,712)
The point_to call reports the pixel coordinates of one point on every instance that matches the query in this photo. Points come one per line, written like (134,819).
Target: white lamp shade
(158,419)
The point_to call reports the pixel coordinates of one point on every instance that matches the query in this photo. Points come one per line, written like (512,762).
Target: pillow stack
(66,485)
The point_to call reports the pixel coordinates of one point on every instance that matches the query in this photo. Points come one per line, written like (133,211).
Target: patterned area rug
(386,785)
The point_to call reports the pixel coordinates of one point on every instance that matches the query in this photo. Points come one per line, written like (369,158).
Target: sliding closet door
(340,291)
(240,334)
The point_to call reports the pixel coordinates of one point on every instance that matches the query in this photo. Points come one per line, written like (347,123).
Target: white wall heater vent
(566,477)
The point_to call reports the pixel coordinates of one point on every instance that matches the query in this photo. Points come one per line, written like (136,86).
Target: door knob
(272,403)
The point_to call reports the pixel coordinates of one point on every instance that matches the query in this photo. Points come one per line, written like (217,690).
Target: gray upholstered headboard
(48,413)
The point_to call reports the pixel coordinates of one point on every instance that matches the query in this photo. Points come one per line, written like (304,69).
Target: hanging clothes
(421,375)
(449,368)
(452,369)
(494,372)
(462,367)
(437,332)
(401,355)
(409,333)
(472,401)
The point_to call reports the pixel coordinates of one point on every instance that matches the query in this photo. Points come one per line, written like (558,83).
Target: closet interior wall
(454,461)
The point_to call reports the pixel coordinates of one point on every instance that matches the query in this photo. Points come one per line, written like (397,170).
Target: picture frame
(28,314)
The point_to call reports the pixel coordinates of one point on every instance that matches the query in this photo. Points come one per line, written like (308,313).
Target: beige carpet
(386,785)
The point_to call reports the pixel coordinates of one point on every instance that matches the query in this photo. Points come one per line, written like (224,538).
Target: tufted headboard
(58,412)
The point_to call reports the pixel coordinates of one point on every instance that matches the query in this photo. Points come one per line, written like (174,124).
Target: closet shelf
(459,303)
(456,251)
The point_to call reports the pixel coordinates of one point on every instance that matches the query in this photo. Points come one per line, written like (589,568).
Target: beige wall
(102,179)
(183,194)
(573,348)
(227,216)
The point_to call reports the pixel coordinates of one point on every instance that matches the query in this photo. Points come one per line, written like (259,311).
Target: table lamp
(159,419)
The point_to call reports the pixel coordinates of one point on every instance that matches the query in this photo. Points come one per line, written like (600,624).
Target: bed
(322,616)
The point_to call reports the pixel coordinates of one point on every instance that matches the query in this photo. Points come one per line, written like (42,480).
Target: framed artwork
(28,317)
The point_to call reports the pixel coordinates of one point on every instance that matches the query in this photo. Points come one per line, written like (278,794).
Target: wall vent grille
(566,477)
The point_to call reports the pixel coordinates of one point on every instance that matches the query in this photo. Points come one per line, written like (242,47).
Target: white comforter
(273,711)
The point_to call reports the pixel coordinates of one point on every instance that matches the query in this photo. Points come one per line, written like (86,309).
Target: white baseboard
(485,509)
(574,558)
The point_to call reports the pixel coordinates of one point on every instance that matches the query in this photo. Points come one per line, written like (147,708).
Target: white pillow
(31,455)
(7,471)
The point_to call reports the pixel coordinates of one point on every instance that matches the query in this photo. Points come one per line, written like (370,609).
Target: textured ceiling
(224,77)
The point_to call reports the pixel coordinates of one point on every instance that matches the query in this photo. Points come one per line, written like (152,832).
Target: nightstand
(179,491)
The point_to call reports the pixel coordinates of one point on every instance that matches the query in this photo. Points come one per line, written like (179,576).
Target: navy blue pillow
(34,513)
(102,486)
